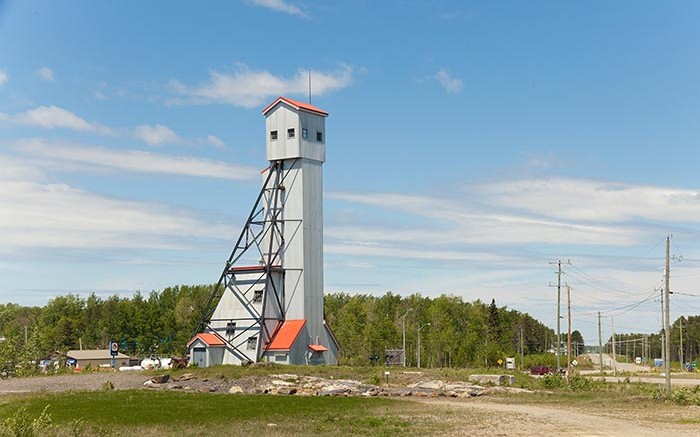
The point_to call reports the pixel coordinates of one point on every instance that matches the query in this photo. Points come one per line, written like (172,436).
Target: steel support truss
(261,240)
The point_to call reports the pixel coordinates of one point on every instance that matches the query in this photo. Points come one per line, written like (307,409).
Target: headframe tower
(268,303)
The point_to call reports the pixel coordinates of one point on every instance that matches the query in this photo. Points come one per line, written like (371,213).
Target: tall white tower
(268,304)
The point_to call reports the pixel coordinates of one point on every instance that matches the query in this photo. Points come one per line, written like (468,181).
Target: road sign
(114,348)
(574,363)
(500,361)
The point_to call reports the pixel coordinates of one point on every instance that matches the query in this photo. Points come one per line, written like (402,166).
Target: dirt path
(487,417)
(85,381)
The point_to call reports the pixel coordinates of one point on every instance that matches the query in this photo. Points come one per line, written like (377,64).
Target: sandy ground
(485,416)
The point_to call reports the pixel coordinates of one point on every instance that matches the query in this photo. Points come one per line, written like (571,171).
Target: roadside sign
(113,348)
(574,363)
(500,361)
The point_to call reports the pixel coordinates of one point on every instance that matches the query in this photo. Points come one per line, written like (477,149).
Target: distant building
(95,358)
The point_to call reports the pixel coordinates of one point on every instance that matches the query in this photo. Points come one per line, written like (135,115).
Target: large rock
(161,379)
(235,390)
(429,385)
(493,379)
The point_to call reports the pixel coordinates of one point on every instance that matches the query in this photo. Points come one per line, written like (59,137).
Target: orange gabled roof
(208,338)
(297,105)
(287,334)
(318,347)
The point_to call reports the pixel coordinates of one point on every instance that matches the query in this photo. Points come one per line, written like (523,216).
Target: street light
(419,329)
(404,335)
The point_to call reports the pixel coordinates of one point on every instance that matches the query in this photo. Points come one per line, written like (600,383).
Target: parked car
(541,370)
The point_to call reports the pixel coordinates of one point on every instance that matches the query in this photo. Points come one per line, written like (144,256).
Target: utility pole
(680,324)
(667,292)
(522,349)
(663,329)
(600,344)
(558,350)
(612,320)
(568,338)
(403,326)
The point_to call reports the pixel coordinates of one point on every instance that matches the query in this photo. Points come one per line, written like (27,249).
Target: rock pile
(291,384)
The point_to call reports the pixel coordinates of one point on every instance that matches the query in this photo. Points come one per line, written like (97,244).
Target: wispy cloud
(450,84)
(216,142)
(560,212)
(280,6)
(594,201)
(250,88)
(3,77)
(59,154)
(45,74)
(34,213)
(53,117)
(156,135)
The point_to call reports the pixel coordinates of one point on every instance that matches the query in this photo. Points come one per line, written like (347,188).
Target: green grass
(178,413)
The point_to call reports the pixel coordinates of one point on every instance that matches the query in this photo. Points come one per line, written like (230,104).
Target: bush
(578,382)
(532,360)
(686,396)
(22,424)
(552,380)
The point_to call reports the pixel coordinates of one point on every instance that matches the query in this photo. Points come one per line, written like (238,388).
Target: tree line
(684,336)
(454,333)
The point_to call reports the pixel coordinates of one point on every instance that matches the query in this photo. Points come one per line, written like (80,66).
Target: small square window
(257,296)
(230,328)
(252,342)
(273,135)
(290,133)
(319,136)
(305,133)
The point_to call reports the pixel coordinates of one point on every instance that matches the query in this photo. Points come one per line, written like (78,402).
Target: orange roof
(208,338)
(318,347)
(297,105)
(286,334)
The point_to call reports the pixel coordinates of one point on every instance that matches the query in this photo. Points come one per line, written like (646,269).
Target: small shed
(96,358)
(292,344)
(206,349)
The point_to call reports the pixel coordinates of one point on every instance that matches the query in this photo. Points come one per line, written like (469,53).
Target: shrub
(552,380)
(22,424)
(686,396)
(578,382)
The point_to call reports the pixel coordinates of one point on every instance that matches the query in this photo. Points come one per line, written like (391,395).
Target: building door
(199,356)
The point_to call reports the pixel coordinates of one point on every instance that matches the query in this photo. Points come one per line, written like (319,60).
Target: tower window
(230,328)
(304,133)
(273,135)
(290,132)
(257,296)
(252,342)
(319,136)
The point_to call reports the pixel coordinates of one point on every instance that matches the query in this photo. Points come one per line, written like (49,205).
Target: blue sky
(468,144)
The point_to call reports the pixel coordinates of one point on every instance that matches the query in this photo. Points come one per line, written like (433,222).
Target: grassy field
(178,413)
(168,413)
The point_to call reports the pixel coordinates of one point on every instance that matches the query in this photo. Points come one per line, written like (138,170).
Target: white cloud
(216,142)
(594,201)
(156,135)
(3,77)
(60,154)
(280,6)
(249,88)
(53,117)
(451,85)
(45,74)
(36,214)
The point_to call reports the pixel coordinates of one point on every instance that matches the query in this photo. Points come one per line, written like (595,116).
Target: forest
(453,333)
